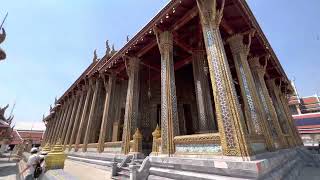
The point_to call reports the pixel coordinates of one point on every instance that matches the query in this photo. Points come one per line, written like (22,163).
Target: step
(91,161)
(124,173)
(153,177)
(125,169)
(120,178)
(179,174)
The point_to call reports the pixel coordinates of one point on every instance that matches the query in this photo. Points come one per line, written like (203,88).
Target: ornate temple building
(200,80)
(20,136)
(306,114)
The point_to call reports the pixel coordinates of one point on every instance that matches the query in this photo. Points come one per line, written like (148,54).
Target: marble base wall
(282,164)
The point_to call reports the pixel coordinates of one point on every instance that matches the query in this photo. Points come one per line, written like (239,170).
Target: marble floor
(8,169)
(84,171)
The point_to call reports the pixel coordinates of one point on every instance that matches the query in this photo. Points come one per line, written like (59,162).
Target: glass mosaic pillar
(169,113)
(228,113)
(258,72)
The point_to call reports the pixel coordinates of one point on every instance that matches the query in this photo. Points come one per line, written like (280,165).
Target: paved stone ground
(310,173)
(8,169)
(84,171)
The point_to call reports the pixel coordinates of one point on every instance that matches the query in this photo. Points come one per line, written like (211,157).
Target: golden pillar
(169,112)
(282,117)
(106,124)
(71,120)
(52,121)
(63,119)
(91,115)
(58,122)
(67,119)
(77,119)
(83,116)
(295,133)
(259,72)
(48,130)
(231,126)
(253,109)
(132,103)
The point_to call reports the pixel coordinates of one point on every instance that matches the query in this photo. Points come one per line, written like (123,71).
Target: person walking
(33,160)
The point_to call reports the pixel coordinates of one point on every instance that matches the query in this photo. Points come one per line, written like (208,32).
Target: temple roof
(307,123)
(237,18)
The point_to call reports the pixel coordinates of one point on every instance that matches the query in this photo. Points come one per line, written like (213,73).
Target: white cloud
(30,125)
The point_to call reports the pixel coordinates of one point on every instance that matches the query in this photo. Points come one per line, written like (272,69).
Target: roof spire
(95,57)
(108,50)
(113,51)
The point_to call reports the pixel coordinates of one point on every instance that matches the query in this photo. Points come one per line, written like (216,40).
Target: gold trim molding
(210,138)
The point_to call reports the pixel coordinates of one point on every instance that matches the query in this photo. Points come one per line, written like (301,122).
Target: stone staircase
(123,170)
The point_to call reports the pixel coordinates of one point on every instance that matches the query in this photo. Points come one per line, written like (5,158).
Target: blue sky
(49,43)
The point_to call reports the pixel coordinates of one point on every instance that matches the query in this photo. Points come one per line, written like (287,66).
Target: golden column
(169,112)
(58,121)
(91,115)
(132,103)
(67,119)
(295,133)
(259,72)
(53,122)
(231,127)
(83,116)
(63,118)
(77,118)
(282,117)
(253,109)
(50,127)
(46,132)
(106,124)
(71,120)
